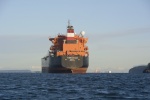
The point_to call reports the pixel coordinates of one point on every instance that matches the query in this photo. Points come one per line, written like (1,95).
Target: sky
(118,31)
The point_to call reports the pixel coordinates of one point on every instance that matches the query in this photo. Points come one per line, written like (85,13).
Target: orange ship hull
(64,70)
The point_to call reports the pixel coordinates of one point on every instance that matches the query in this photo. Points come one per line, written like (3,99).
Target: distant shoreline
(15,71)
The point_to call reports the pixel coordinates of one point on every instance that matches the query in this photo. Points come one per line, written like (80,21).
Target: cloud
(128,32)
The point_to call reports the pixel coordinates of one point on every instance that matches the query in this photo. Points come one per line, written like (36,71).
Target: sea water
(38,86)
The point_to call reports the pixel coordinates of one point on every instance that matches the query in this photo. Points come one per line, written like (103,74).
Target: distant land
(140,69)
(15,71)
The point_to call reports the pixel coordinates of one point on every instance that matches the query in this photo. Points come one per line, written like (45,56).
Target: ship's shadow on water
(37,86)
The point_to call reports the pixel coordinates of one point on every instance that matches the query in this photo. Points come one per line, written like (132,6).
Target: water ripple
(74,86)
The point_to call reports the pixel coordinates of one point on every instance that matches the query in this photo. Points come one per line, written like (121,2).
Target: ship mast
(68,22)
(69,26)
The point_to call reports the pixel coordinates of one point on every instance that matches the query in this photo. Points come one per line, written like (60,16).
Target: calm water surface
(33,86)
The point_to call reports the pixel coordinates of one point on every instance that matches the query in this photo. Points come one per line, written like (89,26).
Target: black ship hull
(65,64)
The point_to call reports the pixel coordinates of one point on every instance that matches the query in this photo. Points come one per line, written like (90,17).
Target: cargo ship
(68,53)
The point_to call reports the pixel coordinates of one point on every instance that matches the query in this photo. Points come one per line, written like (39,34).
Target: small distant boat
(109,71)
(97,71)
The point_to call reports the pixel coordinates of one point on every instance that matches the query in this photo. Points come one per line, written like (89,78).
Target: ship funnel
(70,32)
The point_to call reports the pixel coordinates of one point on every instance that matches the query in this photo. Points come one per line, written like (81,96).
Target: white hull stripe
(70,34)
